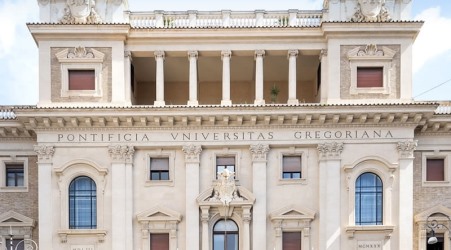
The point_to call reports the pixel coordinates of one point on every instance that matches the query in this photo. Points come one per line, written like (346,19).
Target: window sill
(99,234)
(151,183)
(302,181)
(436,183)
(386,230)
(13,189)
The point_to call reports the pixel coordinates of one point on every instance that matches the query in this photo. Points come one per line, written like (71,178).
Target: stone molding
(259,152)
(80,54)
(406,148)
(192,153)
(121,153)
(45,153)
(330,150)
(365,12)
(80,12)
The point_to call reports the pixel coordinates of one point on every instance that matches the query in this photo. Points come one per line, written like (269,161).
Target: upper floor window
(370,77)
(225,235)
(159,241)
(291,241)
(292,167)
(224,162)
(435,169)
(14,175)
(368,199)
(159,168)
(82,79)
(82,203)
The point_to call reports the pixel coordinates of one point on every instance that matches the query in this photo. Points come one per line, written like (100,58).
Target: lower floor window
(291,241)
(18,244)
(437,246)
(225,235)
(159,241)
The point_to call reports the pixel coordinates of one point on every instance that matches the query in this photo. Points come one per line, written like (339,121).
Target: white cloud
(434,40)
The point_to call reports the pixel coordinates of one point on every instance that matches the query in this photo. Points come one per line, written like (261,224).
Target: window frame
(291,172)
(4,162)
(93,205)
(225,166)
(446,164)
(170,154)
(225,153)
(284,233)
(375,194)
(224,233)
(303,153)
(159,172)
(367,69)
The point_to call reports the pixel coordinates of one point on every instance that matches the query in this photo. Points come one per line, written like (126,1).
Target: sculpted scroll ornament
(259,151)
(120,153)
(45,153)
(192,152)
(371,11)
(330,149)
(406,148)
(80,12)
(80,52)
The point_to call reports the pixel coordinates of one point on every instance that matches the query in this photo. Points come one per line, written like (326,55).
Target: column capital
(121,153)
(293,53)
(406,148)
(259,53)
(193,54)
(226,53)
(330,150)
(259,152)
(322,54)
(128,54)
(192,153)
(159,54)
(45,153)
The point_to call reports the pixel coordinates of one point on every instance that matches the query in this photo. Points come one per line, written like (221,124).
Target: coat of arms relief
(80,12)
(371,11)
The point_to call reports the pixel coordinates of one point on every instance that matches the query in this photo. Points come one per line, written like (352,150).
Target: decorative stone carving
(226,53)
(121,153)
(293,53)
(45,153)
(259,152)
(406,148)
(192,153)
(225,189)
(370,51)
(259,53)
(371,11)
(80,12)
(330,150)
(80,52)
(193,54)
(159,54)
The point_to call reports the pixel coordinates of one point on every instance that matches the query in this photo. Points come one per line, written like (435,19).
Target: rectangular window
(82,79)
(159,241)
(159,169)
(224,162)
(291,240)
(370,77)
(292,167)
(14,175)
(16,242)
(435,169)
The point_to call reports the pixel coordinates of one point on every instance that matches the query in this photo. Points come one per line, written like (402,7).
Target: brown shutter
(159,163)
(435,170)
(370,77)
(159,241)
(225,161)
(291,240)
(292,164)
(82,80)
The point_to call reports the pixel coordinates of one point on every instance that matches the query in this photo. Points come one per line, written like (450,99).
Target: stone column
(405,150)
(192,57)
(205,235)
(330,188)
(246,227)
(259,153)
(259,55)
(122,200)
(159,58)
(192,164)
(225,55)
(324,75)
(46,213)
(292,55)
(127,74)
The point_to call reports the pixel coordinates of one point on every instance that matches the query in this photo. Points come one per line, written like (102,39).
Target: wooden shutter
(82,80)
(159,241)
(435,170)
(225,161)
(159,163)
(291,164)
(291,240)
(370,77)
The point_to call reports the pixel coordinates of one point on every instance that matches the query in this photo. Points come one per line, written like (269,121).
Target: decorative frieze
(80,12)
(259,152)
(371,11)
(330,150)
(406,148)
(121,153)
(45,153)
(192,153)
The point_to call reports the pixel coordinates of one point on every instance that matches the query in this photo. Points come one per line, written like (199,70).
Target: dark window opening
(82,203)
(370,77)
(159,169)
(368,200)
(292,167)
(291,241)
(82,79)
(435,169)
(14,175)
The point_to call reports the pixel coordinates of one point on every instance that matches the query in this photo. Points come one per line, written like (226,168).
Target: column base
(293,102)
(259,102)
(159,103)
(226,103)
(193,103)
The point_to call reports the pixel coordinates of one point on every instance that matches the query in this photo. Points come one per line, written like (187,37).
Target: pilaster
(259,55)
(127,76)
(205,235)
(192,57)
(259,154)
(192,164)
(159,58)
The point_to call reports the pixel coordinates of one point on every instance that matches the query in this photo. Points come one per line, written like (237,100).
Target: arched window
(82,203)
(225,235)
(368,199)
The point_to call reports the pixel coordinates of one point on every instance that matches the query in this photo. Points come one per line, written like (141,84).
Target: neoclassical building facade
(210,130)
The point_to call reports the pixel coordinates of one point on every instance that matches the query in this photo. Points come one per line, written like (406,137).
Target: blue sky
(19,54)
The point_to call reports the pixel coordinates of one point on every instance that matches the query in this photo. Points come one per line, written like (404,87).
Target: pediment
(159,213)
(371,51)
(439,209)
(12,218)
(80,54)
(292,213)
